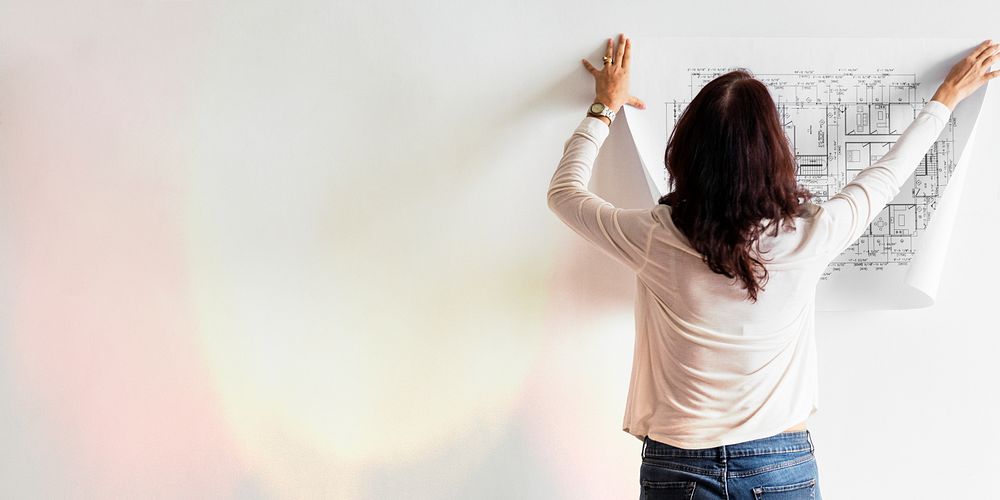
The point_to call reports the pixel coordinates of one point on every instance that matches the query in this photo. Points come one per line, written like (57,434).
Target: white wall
(301,250)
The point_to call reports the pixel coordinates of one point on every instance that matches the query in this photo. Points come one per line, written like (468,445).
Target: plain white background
(365,295)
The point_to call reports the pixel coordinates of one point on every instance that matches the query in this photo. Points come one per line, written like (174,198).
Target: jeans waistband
(784,442)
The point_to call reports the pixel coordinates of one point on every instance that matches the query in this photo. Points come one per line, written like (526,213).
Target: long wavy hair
(732,176)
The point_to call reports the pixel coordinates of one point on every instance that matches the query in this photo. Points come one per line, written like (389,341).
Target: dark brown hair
(731,167)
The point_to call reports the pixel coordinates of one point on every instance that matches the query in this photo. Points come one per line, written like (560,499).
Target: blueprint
(843,103)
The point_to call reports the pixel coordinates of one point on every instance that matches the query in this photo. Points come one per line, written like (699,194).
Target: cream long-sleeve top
(709,367)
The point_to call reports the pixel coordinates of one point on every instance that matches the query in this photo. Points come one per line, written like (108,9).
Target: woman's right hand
(968,74)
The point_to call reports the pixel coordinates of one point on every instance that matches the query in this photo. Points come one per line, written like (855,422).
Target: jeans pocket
(667,490)
(794,491)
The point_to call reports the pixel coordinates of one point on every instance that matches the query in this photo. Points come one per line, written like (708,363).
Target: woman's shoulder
(661,214)
(808,210)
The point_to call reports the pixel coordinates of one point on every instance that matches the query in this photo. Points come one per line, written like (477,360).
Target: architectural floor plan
(843,103)
(840,123)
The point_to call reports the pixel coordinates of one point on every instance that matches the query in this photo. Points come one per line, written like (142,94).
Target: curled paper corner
(924,272)
(655,191)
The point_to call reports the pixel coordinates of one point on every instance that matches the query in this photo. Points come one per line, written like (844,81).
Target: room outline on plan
(839,123)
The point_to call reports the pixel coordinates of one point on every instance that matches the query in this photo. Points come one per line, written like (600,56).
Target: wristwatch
(599,109)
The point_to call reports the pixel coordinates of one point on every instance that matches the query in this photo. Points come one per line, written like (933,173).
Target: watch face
(596,107)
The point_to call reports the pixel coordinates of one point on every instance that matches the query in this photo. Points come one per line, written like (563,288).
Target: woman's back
(676,275)
(711,367)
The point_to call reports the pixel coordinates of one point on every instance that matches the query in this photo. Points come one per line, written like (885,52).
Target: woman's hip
(782,466)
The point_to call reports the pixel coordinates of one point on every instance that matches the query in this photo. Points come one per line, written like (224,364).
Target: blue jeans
(779,467)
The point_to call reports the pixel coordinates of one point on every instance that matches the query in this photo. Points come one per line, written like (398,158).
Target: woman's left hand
(612,80)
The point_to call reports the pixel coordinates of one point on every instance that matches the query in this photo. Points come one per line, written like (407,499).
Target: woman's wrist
(610,101)
(947,96)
